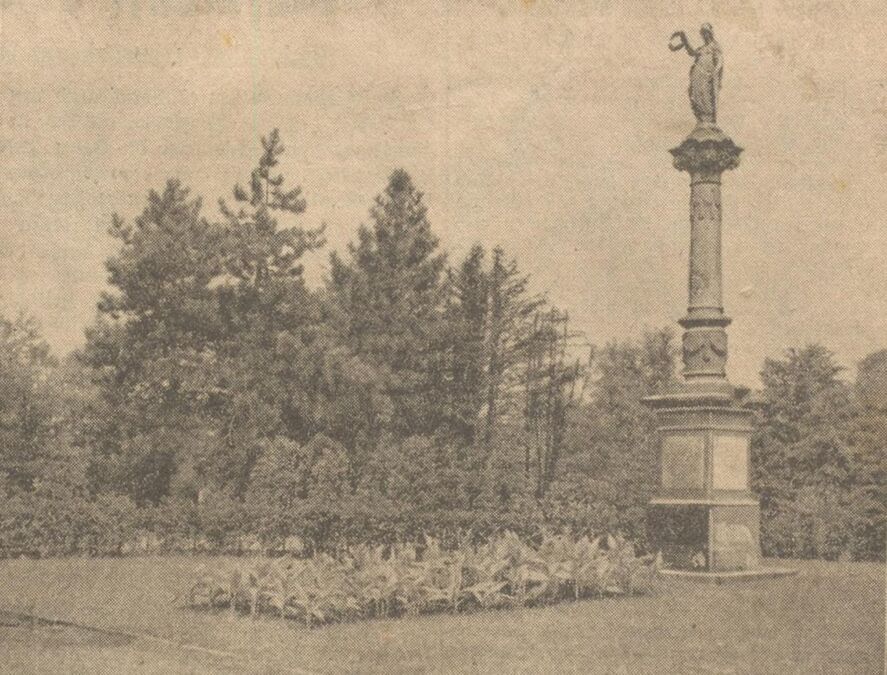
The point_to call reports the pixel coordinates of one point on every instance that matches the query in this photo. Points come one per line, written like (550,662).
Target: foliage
(38,525)
(818,458)
(300,490)
(610,467)
(871,381)
(221,404)
(368,582)
(386,299)
(27,406)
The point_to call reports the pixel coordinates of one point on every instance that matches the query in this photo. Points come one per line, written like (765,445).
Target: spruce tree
(389,299)
(490,317)
(467,325)
(511,333)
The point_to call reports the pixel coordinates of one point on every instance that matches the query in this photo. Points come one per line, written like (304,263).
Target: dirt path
(29,644)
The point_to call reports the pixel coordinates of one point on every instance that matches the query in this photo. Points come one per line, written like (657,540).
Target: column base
(701,535)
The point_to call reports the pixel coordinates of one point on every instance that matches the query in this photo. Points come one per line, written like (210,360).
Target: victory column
(705,519)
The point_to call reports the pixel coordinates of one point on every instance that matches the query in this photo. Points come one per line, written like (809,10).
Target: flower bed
(369,583)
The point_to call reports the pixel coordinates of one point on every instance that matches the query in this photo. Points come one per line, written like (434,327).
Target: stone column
(704,515)
(705,155)
(705,244)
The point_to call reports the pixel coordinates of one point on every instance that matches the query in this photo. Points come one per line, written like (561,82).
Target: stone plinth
(704,481)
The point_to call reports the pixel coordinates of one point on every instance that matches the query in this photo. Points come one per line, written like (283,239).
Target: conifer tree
(271,320)
(389,299)
(151,350)
(554,387)
(512,331)
(467,323)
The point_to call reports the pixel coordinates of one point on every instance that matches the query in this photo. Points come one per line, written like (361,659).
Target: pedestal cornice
(710,394)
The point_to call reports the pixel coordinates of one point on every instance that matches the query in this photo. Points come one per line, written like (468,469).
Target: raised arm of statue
(679,41)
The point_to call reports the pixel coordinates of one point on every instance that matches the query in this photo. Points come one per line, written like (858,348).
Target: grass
(828,619)
(66,650)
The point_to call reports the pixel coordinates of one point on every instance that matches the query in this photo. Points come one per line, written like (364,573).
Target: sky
(541,126)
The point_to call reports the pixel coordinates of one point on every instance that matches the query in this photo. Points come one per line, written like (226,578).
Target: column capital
(706,153)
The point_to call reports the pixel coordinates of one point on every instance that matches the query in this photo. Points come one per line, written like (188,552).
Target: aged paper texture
(482,336)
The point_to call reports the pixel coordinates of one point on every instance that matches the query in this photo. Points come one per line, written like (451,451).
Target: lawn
(828,619)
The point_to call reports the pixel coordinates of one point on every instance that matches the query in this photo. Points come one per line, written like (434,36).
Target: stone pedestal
(704,516)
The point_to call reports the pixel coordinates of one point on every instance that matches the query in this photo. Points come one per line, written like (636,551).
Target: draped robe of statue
(705,81)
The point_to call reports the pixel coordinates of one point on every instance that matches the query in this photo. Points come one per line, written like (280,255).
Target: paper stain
(840,185)
(775,49)
(228,39)
(810,90)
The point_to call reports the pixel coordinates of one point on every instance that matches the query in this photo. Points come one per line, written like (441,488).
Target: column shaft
(705,297)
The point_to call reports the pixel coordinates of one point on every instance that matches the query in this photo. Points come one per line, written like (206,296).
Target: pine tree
(151,350)
(200,349)
(271,321)
(259,252)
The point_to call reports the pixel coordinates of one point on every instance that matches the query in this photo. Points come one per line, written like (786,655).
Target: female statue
(705,74)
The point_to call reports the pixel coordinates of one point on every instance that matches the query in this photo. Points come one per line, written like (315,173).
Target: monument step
(737,576)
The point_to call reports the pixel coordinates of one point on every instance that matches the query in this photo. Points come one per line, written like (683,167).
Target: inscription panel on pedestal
(730,463)
(683,461)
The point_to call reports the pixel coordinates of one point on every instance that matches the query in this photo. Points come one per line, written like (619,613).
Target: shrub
(824,523)
(33,524)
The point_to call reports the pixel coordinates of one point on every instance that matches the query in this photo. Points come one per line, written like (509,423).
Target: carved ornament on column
(705,351)
(706,152)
